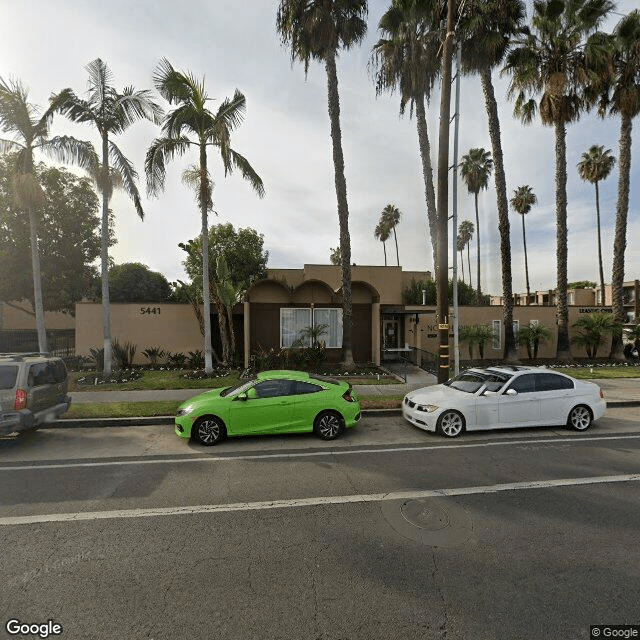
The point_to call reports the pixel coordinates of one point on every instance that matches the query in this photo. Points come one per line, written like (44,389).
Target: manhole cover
(425,516)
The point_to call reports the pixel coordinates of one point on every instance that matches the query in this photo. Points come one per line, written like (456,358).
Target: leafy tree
(467,295)
(111,113)
(245,258)
(487,28)
(317,30)
(334,256)
(549,62)
(68,219)
(192,118)
(522,201)
(531,336)
(19,118)
(596,165)
(135,282)
(229,295)
(594,327)
(406,58)
(382,233)
(581,284)
(475,169)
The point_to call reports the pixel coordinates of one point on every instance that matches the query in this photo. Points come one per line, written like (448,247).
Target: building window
(497,331)
(294,321)
(516,330)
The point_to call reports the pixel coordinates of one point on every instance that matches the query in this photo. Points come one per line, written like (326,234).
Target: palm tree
(382,233)
(19,118)
(467,230)
(596,165)
(460,243)
(475,169)
(111,113)
(522,201)
(621,95)
(317,30)
(531,336)
(486,31)
(549,62)
(406,58)
(191,117)
(391,216)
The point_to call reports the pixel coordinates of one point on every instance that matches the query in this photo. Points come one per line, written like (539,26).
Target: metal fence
(61,342)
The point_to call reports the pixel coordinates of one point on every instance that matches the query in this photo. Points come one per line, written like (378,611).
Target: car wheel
(450,424)
(328,425)
(208,430)
(580,418)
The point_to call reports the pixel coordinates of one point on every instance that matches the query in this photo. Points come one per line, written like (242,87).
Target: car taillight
(21,399)
(601,394)
(347,396)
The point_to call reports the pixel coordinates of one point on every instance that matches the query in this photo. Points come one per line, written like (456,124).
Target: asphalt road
(388,533)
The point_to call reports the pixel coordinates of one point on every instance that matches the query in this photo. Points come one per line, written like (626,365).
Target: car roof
(25,357)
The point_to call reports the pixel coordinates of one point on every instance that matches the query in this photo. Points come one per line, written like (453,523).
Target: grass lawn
(594,373)
(168,408)
(173,379)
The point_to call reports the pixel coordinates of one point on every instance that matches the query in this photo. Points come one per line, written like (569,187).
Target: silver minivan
(33,391)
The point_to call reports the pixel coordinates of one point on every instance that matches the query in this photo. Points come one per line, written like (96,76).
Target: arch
(362,292)
(268,290)
(313,291)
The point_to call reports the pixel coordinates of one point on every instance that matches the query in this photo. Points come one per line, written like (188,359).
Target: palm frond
(136,105)
(231,112)
(100,79)
(161,151)
(247,172)
(9,146)
(70,105)
(201,183)
(129,176)
(68,150)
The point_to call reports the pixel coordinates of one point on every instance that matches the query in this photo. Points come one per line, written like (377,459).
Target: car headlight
(427,408)
(183,411)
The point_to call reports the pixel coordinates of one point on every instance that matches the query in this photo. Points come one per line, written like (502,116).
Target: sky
(285,136)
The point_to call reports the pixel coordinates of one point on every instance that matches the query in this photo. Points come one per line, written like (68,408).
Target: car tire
(208,430)
(580,418)
(328,425)
(450,424)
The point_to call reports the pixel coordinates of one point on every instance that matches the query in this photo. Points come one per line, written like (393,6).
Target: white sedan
(504,397)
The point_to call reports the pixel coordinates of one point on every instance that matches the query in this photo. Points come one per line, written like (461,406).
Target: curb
(77,423)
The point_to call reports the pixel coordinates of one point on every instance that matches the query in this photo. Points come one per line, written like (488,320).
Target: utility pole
(454,202)
(442,199)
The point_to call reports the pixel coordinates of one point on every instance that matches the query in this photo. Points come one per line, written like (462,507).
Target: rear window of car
(59,371)
(552,382)
(8,376)
(305,387)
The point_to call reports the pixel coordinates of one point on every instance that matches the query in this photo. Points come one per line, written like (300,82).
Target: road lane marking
(310,502)
(312,454)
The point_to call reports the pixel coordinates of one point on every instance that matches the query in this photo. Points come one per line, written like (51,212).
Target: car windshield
(471,381)
(238,388)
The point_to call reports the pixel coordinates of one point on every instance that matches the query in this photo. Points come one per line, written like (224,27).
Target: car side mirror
(510,392)
(242,396)
(251,393)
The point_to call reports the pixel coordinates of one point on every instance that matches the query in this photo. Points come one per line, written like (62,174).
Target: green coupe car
(272,402)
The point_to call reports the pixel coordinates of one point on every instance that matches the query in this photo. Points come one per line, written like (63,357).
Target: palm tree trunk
(620,239)
(510,351)
(599,245)
(384,247)
(206,296)
(526,264)
(104,258)
(563,349)
(232,337)
(37,281)
(462,263)
(469,262)
(343,207)
(396,240)
(427,175)
(478,288)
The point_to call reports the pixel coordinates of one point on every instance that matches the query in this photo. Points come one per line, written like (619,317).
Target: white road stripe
(311,454)
(309,502)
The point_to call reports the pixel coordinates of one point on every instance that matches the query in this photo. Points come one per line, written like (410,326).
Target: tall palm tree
(111,113)
(391,216)
(486,28)
(467,229)
(317,30)
(192,124)
(621,95)
(549,62)
(475,169)
(30,133)
(406,58)
(382,233)
(596,165)
(522,201)
(460,244)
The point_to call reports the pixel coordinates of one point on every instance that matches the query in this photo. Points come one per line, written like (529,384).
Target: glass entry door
(390,334)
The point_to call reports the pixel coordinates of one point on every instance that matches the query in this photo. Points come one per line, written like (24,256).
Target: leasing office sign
(595,310)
